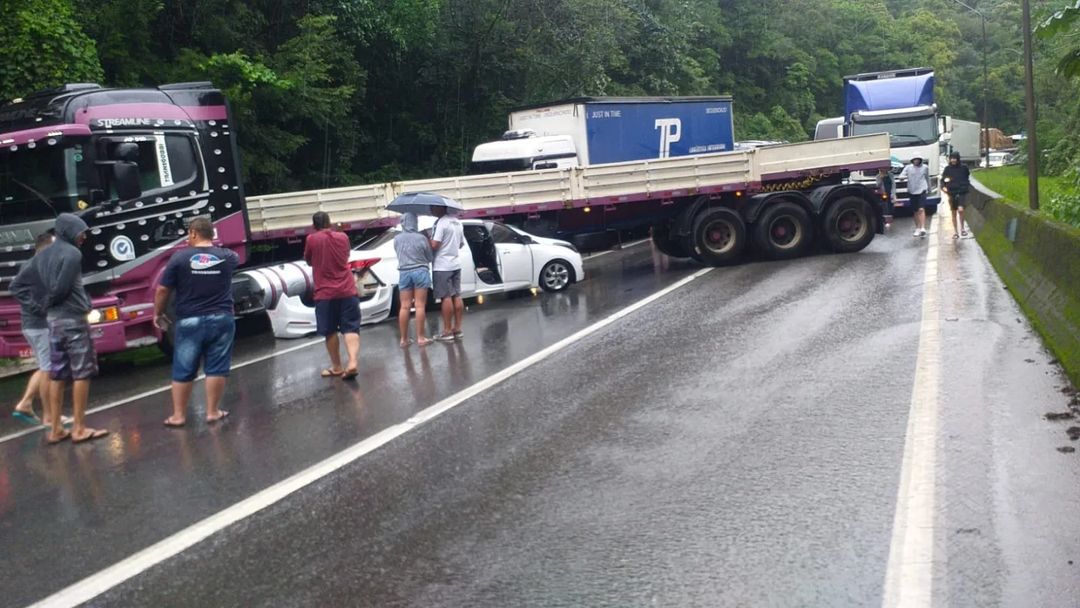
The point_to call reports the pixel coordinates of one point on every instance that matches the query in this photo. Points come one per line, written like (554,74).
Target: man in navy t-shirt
(201,275)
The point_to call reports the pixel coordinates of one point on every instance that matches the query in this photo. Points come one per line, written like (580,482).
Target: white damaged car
(496,258)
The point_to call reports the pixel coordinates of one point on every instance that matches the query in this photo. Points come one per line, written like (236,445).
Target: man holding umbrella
(446,271)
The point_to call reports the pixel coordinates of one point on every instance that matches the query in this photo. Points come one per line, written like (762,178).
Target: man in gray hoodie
(67,305)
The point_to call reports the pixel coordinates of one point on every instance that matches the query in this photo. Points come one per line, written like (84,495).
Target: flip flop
(406,343)
(350,374)
(65,435)
(30,418)
(64,421)
(330,373)
(222,415)
(955,236)
(92,435)
(425,342)
(174,425)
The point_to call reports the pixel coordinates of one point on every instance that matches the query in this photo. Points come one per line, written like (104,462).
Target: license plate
(25,353)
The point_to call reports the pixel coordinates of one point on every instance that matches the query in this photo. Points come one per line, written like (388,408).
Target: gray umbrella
(421,203)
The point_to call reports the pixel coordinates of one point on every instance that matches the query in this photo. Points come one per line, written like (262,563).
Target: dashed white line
(909,575)
(96,584)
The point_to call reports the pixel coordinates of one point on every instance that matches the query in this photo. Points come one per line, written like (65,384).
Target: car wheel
(556,275)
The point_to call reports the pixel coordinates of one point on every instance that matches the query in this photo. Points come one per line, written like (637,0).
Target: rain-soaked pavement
(738,441)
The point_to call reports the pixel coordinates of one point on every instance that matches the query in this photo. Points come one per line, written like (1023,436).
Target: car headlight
(567,245)
(103,315)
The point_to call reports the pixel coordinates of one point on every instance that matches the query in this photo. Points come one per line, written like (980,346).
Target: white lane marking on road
(96,584)
(593,256)
(157,391)
(909,576)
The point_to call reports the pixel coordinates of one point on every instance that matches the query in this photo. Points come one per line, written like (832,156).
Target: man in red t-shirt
(337,305)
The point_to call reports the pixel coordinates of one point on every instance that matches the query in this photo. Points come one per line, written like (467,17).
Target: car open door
(515,257)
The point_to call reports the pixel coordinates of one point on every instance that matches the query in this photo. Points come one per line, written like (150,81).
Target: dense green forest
(333,92)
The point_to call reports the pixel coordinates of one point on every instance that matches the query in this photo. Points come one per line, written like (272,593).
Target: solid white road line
(909,576)
(96,584)
(158,391)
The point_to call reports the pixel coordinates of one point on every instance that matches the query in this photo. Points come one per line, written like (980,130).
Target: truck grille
(11,259)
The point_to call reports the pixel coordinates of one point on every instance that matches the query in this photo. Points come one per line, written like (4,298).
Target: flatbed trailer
(742,190)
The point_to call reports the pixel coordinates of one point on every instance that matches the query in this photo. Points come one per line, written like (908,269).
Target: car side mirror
(126,180)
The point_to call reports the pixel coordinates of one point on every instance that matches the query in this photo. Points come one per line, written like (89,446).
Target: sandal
(91,434)
(174,425)
(330,373)
(406,343)
(350,374)
(955,236)
(27,417)
(64,435)
(963,233)
(424,341)
(222,415)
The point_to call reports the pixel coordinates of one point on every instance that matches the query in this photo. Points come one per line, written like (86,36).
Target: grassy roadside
(1012,183)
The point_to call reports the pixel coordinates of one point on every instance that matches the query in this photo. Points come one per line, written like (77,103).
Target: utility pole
(1029,97)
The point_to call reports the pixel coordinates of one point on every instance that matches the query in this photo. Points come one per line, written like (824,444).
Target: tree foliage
(43,47)
(334,92)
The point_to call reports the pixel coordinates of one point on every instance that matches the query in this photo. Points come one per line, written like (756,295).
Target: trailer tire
(784,230)
(718,237)
(671,247)
(849,224)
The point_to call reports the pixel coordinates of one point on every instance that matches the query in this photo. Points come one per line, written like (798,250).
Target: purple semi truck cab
(136,165)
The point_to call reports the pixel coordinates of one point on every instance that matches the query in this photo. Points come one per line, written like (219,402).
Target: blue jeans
(207,338)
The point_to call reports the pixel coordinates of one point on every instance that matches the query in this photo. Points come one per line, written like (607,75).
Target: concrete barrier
(1039,261)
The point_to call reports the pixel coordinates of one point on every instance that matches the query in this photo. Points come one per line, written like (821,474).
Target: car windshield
(376,242)
(40,182)
(902,132)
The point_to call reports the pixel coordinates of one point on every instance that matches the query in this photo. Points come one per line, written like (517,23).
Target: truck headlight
(103,315)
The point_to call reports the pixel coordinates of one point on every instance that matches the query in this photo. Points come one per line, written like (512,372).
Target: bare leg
(420,301)
(33,387)
(56,397)
(459,313)
(181,395)
(403,316)
(333,348)
(920,218)
(960,214)
(955,226)
(352,346)
(447,316)
(80,395)
(215,388)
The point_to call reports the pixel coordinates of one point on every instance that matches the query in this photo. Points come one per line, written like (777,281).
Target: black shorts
(956,199)
(340,315)
(917,201)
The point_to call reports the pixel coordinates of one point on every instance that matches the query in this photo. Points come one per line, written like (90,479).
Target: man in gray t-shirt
(447,240)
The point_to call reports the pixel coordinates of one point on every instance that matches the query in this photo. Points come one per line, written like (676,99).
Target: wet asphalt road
(737,442)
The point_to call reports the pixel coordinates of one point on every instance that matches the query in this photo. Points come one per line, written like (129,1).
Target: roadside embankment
(1039,261)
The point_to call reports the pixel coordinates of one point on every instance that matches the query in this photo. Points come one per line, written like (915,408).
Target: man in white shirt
(446,240)
(918,184)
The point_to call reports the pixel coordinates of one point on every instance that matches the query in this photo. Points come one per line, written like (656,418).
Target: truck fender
(684,221)
(757,203)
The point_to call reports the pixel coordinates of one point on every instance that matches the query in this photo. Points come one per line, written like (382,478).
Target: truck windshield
(917,131)
(39,183)
(500,166)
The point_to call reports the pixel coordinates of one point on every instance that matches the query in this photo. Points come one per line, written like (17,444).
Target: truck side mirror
(126,180)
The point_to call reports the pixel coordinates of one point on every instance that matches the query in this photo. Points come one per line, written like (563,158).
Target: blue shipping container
(620,131)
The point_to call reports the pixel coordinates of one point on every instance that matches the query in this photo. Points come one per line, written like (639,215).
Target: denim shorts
(71,350)
(38,339)
(414,278)
(340,315)
(207,339)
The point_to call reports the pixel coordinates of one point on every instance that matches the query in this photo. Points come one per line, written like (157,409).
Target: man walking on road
(201,275)
(955,181)
(72,356)
(29,290)
(337,305)
(446,272)
(918,184)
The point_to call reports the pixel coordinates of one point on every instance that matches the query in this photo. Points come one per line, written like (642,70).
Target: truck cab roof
(535,148)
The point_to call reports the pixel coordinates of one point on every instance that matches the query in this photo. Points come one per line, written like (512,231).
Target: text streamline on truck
(137,164)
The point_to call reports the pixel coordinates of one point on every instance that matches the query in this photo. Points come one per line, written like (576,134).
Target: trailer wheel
(783,231)
(718,237)
(849,224)
(672,247)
